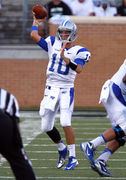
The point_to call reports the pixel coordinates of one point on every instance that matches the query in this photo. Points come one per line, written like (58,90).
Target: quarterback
(65,61)
(113,96)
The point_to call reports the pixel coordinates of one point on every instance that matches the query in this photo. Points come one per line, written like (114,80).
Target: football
(39,11)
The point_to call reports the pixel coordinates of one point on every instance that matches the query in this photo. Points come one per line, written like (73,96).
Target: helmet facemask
(62,36)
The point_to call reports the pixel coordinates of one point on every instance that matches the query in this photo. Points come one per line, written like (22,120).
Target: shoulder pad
(84,54)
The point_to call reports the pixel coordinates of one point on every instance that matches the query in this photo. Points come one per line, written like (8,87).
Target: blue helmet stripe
(65,23)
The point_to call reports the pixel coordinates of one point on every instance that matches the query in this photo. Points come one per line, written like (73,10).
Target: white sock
(98,141)
(106,154)
(71,149)
(61,146)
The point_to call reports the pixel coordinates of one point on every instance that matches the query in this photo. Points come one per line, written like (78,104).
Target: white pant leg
(47,121)
(66,106)
(116,110)
(48,108)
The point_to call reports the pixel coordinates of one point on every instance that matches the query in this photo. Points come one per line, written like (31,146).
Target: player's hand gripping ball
(39,12)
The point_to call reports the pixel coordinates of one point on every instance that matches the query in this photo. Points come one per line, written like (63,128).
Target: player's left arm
(73,65)
(82,57)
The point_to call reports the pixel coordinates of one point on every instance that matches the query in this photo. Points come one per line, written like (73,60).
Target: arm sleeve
(43,44)
(83,54)
(79,61)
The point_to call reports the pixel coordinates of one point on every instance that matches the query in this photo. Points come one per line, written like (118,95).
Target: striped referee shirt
(9,104)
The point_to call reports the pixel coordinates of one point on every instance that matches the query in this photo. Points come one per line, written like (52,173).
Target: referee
(11,146)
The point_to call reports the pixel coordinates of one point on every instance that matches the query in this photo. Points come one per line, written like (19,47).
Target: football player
(11,146)
(113,96)
(65,61)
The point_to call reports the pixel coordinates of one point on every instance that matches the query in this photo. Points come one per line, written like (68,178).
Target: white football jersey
(118,76)
(59,74)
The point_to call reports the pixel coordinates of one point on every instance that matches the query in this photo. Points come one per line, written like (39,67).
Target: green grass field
(43,153)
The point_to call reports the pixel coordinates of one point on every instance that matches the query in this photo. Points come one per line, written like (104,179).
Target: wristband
(72,65)
(34,28)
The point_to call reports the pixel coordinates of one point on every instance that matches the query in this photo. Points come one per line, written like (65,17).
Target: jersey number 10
(59,69)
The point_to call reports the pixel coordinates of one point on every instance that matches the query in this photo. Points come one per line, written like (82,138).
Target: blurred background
(16,20)
(23,63)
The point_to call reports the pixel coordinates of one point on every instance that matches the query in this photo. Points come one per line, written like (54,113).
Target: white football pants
(116,110)
(53,98)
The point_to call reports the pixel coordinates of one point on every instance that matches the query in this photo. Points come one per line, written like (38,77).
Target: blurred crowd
(57,8)
(0,6)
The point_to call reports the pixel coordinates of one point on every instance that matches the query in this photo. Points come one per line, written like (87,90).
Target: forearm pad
(72,65)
